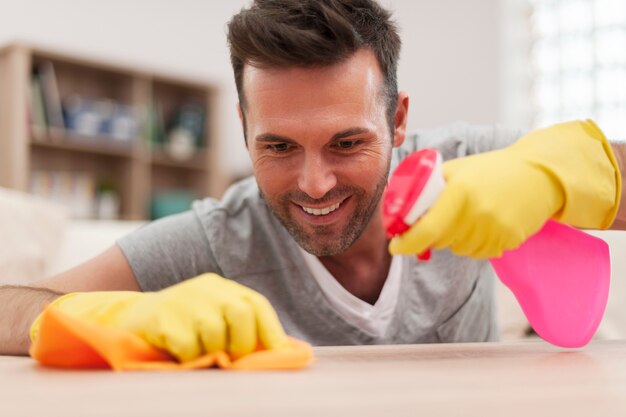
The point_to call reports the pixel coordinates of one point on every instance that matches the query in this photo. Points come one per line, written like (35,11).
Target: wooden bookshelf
(162,111)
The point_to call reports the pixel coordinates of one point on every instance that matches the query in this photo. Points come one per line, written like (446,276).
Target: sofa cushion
(31,230)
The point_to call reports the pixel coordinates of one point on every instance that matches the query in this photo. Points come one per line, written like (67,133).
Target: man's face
(320,147)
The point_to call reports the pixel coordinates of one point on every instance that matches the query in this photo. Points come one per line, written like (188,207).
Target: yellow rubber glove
(496,200)
(200,315)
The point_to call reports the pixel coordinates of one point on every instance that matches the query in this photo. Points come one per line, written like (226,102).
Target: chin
(323,250)
(326,245)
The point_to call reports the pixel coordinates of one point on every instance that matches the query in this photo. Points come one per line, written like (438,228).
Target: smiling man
(324,124)
(321,145)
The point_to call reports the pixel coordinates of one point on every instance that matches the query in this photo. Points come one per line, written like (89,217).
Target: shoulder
(243,234)
(208,225)
(234,237)
(458,139)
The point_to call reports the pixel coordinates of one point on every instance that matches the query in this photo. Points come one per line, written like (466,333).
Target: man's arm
(619,149)
(19,306)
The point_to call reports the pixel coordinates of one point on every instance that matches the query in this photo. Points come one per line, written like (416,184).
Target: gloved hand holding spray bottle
(560,275)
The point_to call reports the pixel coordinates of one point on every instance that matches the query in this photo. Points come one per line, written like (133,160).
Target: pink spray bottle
(560,275)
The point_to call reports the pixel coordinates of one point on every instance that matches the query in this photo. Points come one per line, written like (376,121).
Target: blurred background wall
(451,63)
(521,63)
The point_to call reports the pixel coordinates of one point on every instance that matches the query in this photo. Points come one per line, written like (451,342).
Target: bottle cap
(412,190)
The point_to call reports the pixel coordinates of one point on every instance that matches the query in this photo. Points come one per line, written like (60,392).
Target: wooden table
(521,379)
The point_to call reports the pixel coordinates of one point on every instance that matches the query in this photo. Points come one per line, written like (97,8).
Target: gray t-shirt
(448,299)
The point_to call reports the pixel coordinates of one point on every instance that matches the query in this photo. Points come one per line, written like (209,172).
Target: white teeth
(322,211)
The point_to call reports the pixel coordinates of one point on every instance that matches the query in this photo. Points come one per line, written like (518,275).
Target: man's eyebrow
(273,137)
(349,132)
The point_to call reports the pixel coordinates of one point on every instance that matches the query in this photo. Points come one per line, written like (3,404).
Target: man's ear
(400,119)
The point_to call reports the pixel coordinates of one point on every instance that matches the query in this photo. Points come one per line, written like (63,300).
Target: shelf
(59,94)
(84,144)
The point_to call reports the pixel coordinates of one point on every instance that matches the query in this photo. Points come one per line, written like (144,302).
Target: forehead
(352,85)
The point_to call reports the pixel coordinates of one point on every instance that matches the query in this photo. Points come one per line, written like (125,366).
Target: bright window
(579,62)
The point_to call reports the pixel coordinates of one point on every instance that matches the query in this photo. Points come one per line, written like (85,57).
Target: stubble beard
(324,240)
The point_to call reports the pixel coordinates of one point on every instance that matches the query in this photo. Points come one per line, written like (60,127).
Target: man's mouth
(321,211)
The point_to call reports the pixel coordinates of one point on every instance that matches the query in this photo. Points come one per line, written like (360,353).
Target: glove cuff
(579,158)
(101,307)
(34,327)
(593,130)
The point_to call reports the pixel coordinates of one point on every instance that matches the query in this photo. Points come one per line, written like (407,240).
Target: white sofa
(37,240)
(84,239)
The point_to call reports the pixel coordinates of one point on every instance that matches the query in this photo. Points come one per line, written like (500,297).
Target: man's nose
(317,177)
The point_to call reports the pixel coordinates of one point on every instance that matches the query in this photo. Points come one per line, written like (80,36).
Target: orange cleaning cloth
(65,341)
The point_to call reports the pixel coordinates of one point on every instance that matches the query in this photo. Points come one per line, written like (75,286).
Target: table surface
(500,379)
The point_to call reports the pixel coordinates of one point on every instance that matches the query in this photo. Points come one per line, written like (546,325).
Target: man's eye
(279,147)
(346,144)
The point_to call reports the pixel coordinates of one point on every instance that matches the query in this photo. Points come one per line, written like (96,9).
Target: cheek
(274,176)
(371,162)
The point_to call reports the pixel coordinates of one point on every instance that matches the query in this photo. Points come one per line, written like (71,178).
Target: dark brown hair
(314,33)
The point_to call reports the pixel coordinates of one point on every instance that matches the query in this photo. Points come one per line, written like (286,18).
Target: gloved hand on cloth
(201,322)
(494,201)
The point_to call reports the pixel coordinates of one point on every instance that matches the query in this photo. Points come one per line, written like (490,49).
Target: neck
(363,268)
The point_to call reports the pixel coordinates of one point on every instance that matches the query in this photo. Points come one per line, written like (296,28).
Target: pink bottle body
(560,276)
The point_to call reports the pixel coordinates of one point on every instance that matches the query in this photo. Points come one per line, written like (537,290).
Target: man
(321,116)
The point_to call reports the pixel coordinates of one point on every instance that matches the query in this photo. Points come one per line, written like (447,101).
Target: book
(38,123)
(51,96)
(156,122)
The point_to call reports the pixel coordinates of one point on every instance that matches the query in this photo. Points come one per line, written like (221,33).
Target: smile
(321,211)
